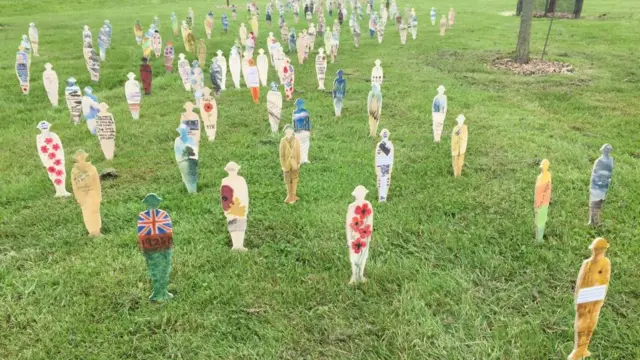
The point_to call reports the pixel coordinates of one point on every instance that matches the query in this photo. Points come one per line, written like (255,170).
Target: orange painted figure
(459,138)
(591,289)
(542,198)
(253,80)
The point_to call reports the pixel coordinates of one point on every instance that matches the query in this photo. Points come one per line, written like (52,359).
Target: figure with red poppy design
(359,228)
(48,143)
(209,112)
(234,197)
(384,165)
(85,182)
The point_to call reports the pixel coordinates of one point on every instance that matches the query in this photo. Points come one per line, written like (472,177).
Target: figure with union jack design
(155,239)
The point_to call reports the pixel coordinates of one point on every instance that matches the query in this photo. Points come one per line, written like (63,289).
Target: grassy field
(454,272)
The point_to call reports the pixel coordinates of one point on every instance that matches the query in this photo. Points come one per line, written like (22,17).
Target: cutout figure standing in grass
(302,127)
(374,105)
(234,196)
(85,182)
(600,182)
(186,153)
(542,198)
(439,113)
(290,163)
(459,138)
(359,228)
(384,165)
(339,92)
(155,240)
(52,156)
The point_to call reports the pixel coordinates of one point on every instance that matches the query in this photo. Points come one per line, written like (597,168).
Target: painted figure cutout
(377,73)
(184,30)
(155,240)
(242,32)
(73,96)
(197,81)
(339,92)
(452,16)
(591,289)
(542,198)
(25,45)
(133,95)
(33,38)
(224,20)
(186,153)
(301,45)
(293,41)
(51,155)
(93,62)
(359,229)
(190,44)
(289,78)
(189,18)
(202,53)
(263,67)
(274,107)
(374,107)
(209,112)
(279,58)
(174,24)
(85,182)
(600,182)
(414,24)
(137,31)
(380,31)
(284,32)
(146,75)
(356,34)
(147,44)
(215,74)
(169,55)
(208,24)
(290,163)
(433,16)
(384,165)
(402,28)
(223,68)
(335,45)
(90,108)
(439,113)
(102,43)
(50,81)
(311,33)
(254,25)
(192,121)
(234,197)
(235,66)
(302,128)
(185,72)
(459,138)
(443,25)
(156,43)
(106,131)
(321,68)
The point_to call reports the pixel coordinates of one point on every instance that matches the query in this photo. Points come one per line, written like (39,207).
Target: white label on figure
(592,294)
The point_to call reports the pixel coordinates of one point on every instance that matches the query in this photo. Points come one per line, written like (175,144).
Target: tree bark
(578,9)
(519,8)
(524,37)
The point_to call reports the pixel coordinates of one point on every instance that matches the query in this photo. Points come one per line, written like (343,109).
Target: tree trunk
(519,8)
(524,37)
(551,7)
(578,9)
(227,3)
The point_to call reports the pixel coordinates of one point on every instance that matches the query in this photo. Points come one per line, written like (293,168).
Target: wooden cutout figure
(243,33)
(380,31)
(102,43)
(311,33)
(106,130)
(224,20)
(402,28)
(284,32)
(443,25)
(155,240)
(254,25)
(251,45)
(184,30)
(459,138)
(335,45)
(90,109)
(209,112)
(85,182)
(591,289)
(452,16)
(302,128)
(289,78)
(234,197)
(147,44)
(33,38)
(174,24)
(352,22)
(542,198)
(356,34)
(384,165)
(439,113)
(50,81)
(87,37)
(279,58)
(600,182)
(274,107)
(52,156)
(293,41)
(202,53)
(185,72)
(73,96)
(374,106)
(253,80)
(190,44)
(235,66)
(137,31)
(22,71)
(339,92)
(373,26)
(359,229)
(93,62)
(189,18)
(377,73)
(301,45)
(156,42)
(156,23)
(186,153)
(433,16)
(25,45)
(208,24)
(223,67)
(271,45)
(192,121)
(290,163)
(133,95)
(321,68)
(146,75)
(169,54)
(414,24)
(263,67)
(197,81)
(215,74)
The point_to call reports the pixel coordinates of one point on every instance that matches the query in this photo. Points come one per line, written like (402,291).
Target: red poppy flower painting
(48,141)
(365,231)
(358,245)
(57,181)
(58,162)
(226,197)
(59,172)
(55,147)
(363,211)
(51,169)
(44,149)
(356,223)
(208,107)
(52,155)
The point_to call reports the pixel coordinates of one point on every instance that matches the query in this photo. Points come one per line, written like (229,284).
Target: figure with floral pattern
(359,229)
(52,156)
(234,197)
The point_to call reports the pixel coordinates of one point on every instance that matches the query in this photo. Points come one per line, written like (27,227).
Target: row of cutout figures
(155,230)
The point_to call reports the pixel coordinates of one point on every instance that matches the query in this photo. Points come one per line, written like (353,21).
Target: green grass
(454,270)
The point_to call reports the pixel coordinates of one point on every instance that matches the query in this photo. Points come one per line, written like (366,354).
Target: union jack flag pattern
(155,231)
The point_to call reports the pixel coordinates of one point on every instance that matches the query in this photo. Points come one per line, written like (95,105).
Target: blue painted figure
(339,91)
(225,22)
(433,16)
(292,40)
(197,81)
(373,26)
(102,43)
(302,129)
(90,109)
(215,74)
(109,31)
(600,182)
(186,153)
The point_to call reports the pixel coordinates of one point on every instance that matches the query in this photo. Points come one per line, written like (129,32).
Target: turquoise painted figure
(302,129)
(186,153)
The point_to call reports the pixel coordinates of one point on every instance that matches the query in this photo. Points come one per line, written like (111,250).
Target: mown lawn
(454,272)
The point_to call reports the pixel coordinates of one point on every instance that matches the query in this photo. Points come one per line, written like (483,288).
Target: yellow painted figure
(459,138)
(190,44)
(542,198)
(290,162)
(595,272)
(254,25)
(85,182)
